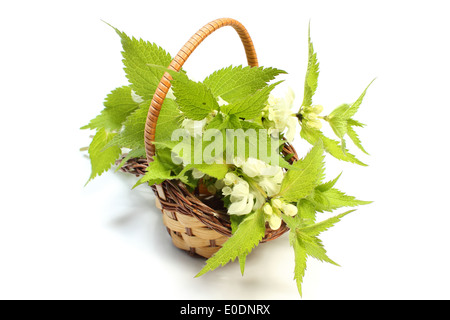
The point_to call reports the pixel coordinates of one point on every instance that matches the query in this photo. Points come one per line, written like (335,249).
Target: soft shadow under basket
(195,223)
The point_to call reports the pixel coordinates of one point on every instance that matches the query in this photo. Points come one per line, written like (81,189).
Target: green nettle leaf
(119,104)
(354,137)
(306,210)
(308,173)
(339,125)
(221,122)
(169,120)
(300,257)
(214,170)
(303,238)
(341,121)
(235,221)
(102,157)
(347,111)
(137,55)
(155,173)
(251,106)
(132,136)
(319,227)
(332,199)
(326,198)
(248,235)
(235,83)
(160,169)
(331,146)
(194,99)
(312,74)
(328,185)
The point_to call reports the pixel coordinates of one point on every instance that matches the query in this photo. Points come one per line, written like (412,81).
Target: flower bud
(267,209)
(226,191)
(290,210)
(274,222)
(317,109)
(230,178)
(277,203)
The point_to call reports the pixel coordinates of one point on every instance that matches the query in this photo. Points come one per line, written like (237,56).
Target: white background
(60,240)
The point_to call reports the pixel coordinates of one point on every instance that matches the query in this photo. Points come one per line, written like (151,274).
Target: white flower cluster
(311,114)
(279,113)
(241,196)
(249,193)
(273,210)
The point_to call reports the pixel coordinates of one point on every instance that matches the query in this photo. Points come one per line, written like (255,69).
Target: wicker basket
(196,222)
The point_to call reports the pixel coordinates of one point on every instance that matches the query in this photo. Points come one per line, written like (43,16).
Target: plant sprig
(237,98)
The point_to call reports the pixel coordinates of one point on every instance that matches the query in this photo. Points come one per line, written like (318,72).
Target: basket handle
(177,63)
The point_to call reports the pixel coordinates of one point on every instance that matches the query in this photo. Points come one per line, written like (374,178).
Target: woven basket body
(194,221)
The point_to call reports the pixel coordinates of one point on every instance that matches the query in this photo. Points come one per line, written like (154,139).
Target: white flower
(194,127)
(266,176)
(279,176)
(240,191)
(272,216)
(242,207)
(311,113)
(270,187)
(170,94)
(226,191)
(253,167)
(238,161)
(231,178)
(291,125)
(241,197)
(221,102)
(268,170)
(259,199)
(311,116)
(135,97)
(273,210)
(264,181)
(280,113)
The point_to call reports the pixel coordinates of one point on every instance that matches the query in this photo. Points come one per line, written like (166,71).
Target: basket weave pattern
(194,221)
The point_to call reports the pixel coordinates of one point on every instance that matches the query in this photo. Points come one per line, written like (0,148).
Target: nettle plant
(225,135)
